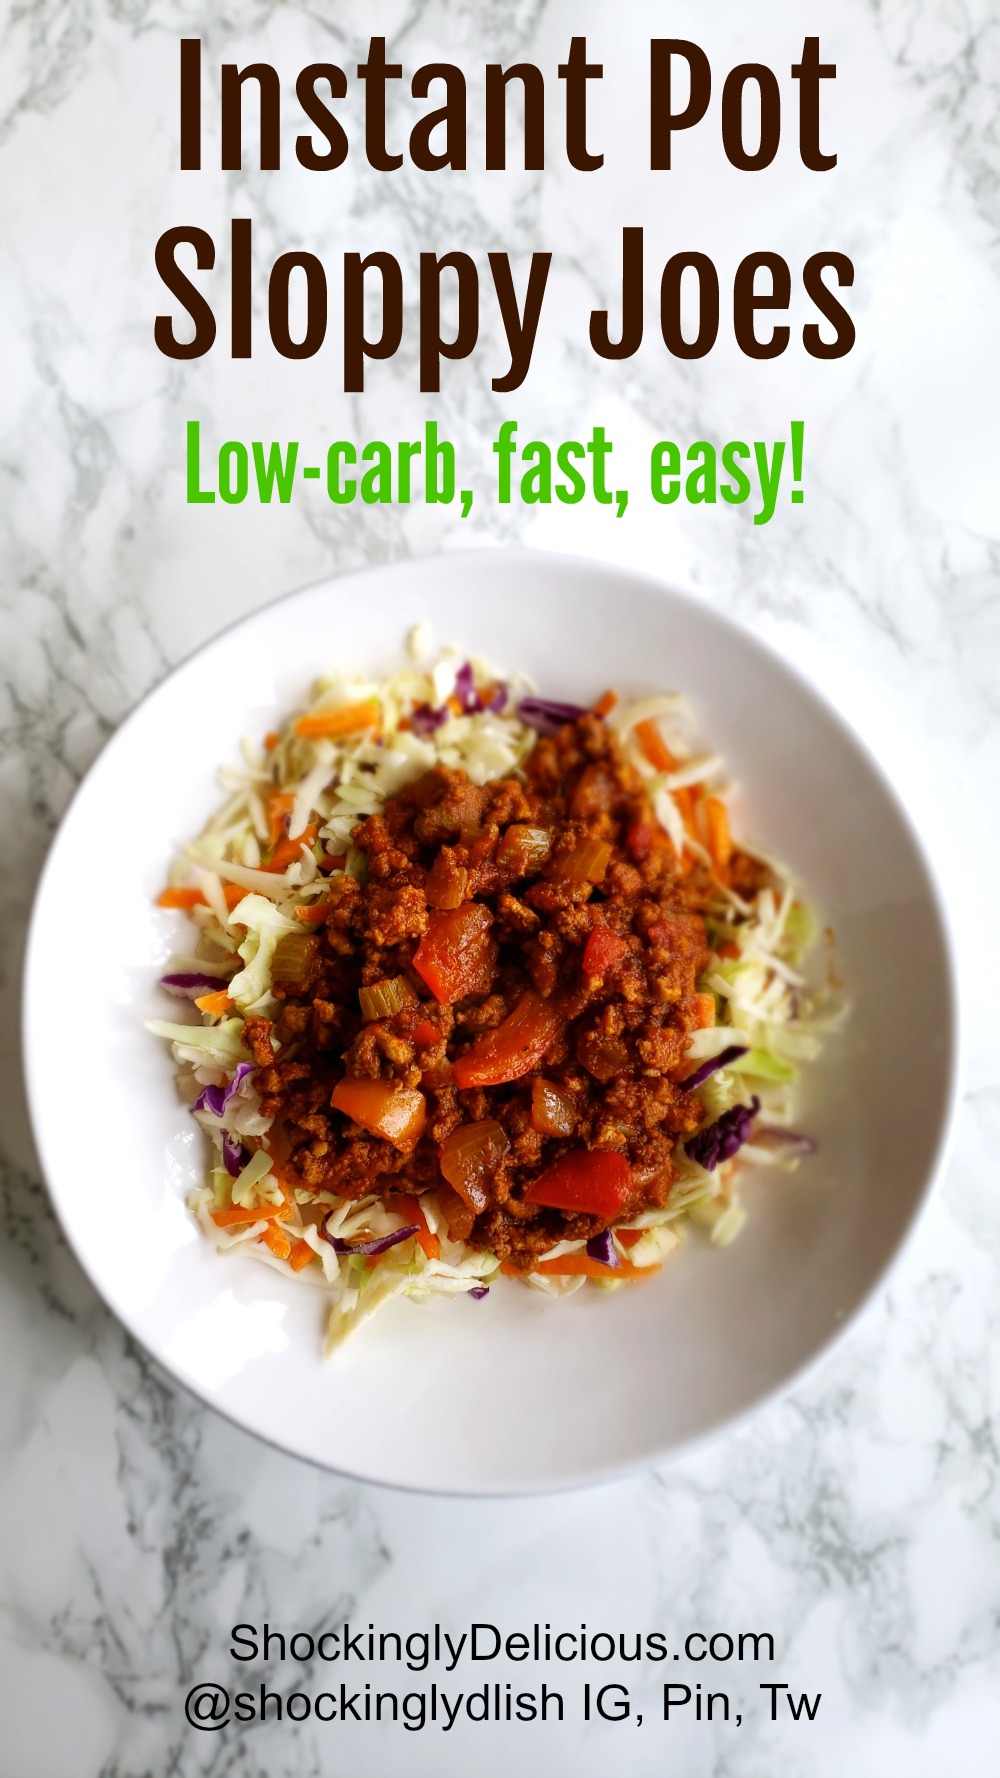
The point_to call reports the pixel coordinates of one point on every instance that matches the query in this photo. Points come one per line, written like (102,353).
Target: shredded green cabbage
(762,1000)
(265,925)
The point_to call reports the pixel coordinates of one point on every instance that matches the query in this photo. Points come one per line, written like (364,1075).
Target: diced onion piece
(604,1057)
(393,1112)
(523,848)
(469,1158)
(383,999)
(514,1048)
(553,1112)
(293,954)
(456,1214)
(587,862)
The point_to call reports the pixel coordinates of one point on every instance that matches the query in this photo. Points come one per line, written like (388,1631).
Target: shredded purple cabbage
(721,1140)
(471,698)
(465,689)
(424,720)
(215,1099)
(722,1060)
(792,1141)
(479,1292)
(547,715)
(379,1245)
(603,1249)
(187,984)
(233,1155)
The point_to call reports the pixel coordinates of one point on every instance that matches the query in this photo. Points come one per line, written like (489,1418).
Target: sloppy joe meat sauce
(547,860)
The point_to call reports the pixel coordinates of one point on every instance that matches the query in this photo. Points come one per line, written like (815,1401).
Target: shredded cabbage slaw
(254,875)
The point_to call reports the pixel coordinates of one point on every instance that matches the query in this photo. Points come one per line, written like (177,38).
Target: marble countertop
(858,1521)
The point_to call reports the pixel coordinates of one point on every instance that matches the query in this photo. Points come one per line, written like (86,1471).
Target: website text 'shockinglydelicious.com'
(611,1677)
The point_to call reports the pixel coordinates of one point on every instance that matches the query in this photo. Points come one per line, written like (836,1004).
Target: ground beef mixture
(477,924)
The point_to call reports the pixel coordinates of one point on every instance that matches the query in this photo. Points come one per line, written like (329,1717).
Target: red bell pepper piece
(553,1112)
(395,1113)
(514,1048)
(456,955)
(588,1181)
(602,951)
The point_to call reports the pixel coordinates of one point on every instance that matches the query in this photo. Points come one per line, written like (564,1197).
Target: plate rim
(953,1064)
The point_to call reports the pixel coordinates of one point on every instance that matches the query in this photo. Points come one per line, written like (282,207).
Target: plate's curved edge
(654,589)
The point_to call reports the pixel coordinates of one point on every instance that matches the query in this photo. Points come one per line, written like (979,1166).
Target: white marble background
(859,1521)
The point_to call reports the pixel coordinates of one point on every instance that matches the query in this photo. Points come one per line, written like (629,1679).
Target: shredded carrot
(300,1255)
(340,719)
(277,1241)
(181,898)
(720,840)
(239,1217)
(654,746)
(287,850)
(729,950)
(686,800)
(576,1265)
(409,1206)
(454,706)
(312,915)
(606,704)
(279,807)
(271,740)
(216,1004)
(705,1010)
(186,897)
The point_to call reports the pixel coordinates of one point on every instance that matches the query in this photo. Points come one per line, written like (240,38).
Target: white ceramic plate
(518,1392)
